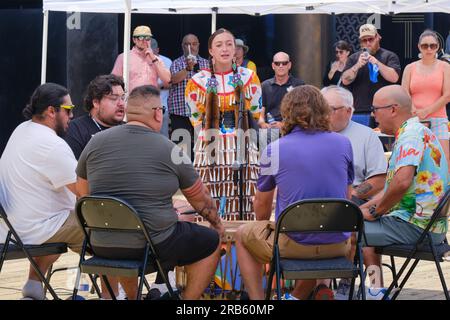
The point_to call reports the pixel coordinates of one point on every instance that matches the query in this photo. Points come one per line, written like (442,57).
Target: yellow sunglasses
(67,106)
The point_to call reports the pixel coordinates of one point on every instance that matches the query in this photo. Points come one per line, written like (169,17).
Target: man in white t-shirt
(37,179)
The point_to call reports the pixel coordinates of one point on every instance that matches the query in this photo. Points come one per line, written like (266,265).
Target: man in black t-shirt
(274,89)
(105,101)
(383,64)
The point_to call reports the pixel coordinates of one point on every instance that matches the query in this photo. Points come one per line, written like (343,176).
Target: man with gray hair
(368,156)
(369,160)
(135,163)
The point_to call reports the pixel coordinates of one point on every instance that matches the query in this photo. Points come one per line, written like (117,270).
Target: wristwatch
(372,211)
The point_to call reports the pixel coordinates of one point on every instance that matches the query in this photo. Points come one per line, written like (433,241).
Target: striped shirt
(176,102)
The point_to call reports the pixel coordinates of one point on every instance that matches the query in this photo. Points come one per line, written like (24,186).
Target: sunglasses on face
(340,51)
(67,106)
(432,46)
(279,63)
(148,38)
(368,40)
(163,110)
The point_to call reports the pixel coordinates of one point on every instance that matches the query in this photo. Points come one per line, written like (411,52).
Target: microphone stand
(241,160)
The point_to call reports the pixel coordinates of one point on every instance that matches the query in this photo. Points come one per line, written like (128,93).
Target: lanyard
(96,123)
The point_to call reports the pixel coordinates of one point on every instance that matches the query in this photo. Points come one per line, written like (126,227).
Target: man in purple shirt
(309,161)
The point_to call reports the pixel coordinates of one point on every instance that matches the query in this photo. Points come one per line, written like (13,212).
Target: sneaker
(375,293)
(34,290)
(122,295)
(342,291)
(288,296)
(323,292)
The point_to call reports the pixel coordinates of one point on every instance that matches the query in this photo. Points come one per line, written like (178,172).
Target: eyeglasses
(163,110)
(67,106)
(335,109)
(116,97)
(340,51)
(279,63)
(148,38)
(432,46)
(367,40)
(374,109)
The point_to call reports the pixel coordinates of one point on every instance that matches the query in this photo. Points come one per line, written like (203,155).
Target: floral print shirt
(415,145)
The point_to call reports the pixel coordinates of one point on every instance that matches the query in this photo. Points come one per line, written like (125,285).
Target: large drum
(226,283)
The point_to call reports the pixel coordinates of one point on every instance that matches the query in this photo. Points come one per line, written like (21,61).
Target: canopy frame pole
(44,47)
(214,19)
(126,43)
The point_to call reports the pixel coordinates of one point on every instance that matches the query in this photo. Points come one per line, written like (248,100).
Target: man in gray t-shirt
(137,164)
(368,156)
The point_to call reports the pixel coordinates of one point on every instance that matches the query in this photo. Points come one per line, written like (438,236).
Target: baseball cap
(142,31)
(367,30)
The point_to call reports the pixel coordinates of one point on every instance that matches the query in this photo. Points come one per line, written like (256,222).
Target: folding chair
(105,213)
(13,248)
(321,216)
(423,249)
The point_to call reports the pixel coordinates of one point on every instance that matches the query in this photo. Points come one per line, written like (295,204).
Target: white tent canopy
(251,7)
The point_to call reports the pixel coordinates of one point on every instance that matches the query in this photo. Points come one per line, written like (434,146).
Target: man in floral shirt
(416,181)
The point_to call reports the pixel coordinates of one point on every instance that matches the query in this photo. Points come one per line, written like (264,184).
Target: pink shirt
(141,70)
(427,89)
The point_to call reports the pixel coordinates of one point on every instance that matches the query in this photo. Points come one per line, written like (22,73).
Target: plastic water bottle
(269,118)
(84,284)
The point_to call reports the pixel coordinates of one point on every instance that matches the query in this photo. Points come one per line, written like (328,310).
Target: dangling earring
(420,56)
(233,65)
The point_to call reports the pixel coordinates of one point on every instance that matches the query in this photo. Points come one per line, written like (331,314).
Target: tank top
(426,89)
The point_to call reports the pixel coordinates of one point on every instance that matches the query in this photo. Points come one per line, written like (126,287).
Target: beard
(59,127)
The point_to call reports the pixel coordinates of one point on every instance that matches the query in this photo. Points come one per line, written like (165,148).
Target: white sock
(375,276)
(33,289)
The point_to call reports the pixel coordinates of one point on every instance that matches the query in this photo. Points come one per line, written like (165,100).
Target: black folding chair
(423,249)
(321,216)
(109,214)
(13,248)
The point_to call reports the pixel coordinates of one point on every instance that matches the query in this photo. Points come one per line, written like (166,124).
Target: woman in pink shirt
(428,83)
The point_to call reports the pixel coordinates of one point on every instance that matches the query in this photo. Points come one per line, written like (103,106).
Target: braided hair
(212,111)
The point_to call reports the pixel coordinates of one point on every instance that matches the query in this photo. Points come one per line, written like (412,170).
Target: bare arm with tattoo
(200,199)
(370,187)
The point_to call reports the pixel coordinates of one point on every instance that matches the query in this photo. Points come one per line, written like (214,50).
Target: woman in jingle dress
(213,97)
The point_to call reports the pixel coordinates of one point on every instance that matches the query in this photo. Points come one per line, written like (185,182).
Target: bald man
(182,69)
(137,164)
(274,89)
(416,181)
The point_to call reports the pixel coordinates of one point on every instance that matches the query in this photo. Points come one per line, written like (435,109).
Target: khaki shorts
(70,233)
(258,238)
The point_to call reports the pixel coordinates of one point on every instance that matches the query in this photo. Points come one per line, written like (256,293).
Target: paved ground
(423,285)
